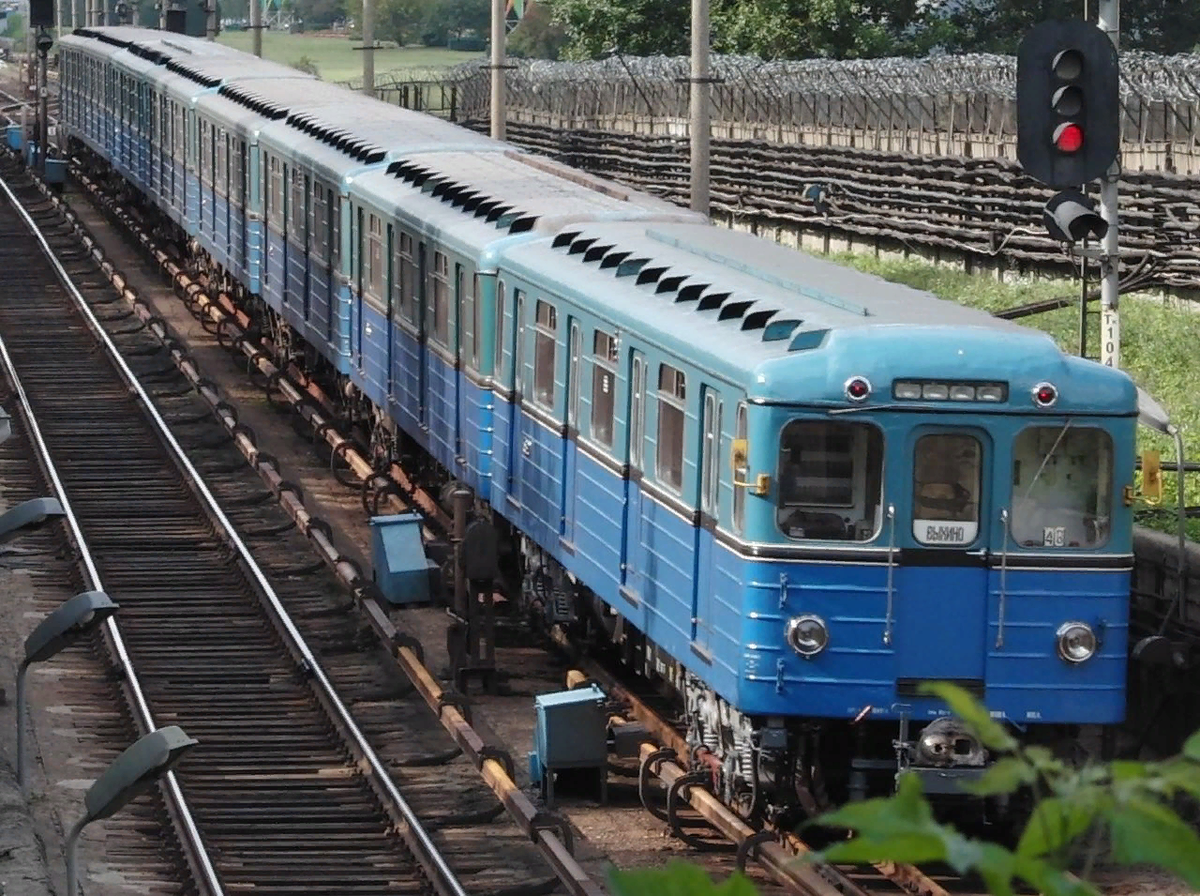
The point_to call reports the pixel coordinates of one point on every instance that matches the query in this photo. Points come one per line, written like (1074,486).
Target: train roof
(508,193)
(790,327)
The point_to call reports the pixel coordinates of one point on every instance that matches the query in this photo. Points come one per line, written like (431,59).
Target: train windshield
(830,480)
(1062,487)
(948,474)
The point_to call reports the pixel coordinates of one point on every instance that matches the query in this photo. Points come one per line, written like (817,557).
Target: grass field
(1158,347)
(336,58)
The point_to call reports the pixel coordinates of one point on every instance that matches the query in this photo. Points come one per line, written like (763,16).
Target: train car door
(390,293)
(459,373)
(518,380)
(423,325)
(941,583)
(704,578)
(360,248)
(631,528)
(566,531)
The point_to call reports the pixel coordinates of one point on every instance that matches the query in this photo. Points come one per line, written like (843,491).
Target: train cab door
(631,530)
(939,586)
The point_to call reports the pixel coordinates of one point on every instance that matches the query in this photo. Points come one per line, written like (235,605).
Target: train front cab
(986,542)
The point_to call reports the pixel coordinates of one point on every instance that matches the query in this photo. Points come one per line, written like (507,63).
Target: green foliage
(306,64)
(597,28)
(849,29)
(1131,802)
(677,879)
(537,36)
(444,19)
(337,58)
(14,27)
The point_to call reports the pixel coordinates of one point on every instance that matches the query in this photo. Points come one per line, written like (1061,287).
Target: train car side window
(498,348)
(947,478)
(672,395)
(276,210)
(441,298)
(519,341)
(476,322)
(299,206)
(318,232)
(466,316)
(637,410)
(830,480)
(739,473)
(576,346)
(604,386)
(711,448)
(545,345)
(404,287)
(374,278)
(1062,487)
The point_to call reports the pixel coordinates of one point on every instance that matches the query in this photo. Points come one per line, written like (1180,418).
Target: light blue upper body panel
(793,328)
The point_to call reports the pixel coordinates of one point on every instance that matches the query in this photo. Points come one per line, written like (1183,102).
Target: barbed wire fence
(900,153)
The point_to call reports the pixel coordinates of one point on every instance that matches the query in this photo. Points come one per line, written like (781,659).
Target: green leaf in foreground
(974,714)
(676,879)
(1147,832)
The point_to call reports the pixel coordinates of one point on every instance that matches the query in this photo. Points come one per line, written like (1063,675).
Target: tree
(321,13)
(398,20)
(537,36)
(598,28)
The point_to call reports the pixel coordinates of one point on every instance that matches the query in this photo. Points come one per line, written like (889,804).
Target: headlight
(1076,642)
(807,634)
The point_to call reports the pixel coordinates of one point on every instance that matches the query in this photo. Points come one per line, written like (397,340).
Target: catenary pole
(497,67)
(1110,321)
(700,124)
(256,25)
(368,37)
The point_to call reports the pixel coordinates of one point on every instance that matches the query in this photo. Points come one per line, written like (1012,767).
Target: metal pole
(72,843)
(107,12)
(43,103)
(1083,300)
(162,15)
(700,125)
(368,36)
(498,38)
(24,667)
(256,25)
(1110,322)
(210,27)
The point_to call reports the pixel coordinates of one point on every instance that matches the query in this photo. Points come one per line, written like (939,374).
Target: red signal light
(1068,137)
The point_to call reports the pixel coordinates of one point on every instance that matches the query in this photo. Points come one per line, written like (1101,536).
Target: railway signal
(1068,112)
(1070,217)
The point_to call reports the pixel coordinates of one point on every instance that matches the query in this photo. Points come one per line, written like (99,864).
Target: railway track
(285,792)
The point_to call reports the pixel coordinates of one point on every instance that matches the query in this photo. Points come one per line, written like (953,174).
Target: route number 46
(1054,536)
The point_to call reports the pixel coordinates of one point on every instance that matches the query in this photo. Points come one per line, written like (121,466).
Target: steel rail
(543,829)
(426,851)
(131,681)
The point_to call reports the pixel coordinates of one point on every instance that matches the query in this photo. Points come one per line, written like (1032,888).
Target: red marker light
(857,388)
(1068,137)
(1044,395)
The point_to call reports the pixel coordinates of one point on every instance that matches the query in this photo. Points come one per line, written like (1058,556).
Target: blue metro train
(792,491)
